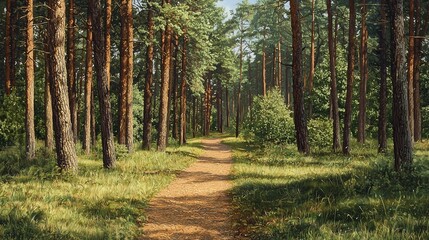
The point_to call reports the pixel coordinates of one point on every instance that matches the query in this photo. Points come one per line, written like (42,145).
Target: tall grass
(280,194)
(36,202)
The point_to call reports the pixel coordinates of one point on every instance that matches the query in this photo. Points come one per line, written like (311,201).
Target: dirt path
(196,205)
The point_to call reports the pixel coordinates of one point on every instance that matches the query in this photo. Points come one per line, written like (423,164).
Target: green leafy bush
(320,133)
(270,121)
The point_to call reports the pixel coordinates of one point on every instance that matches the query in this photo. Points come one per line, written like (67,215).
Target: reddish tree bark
(147,119)
(71,76)
(298,90)
(382,116)
(87,141)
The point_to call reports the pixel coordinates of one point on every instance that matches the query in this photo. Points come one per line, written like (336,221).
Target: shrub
(320,133)
(270,120)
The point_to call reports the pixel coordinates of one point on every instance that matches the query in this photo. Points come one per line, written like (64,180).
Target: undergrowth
(39,203)
(281,194)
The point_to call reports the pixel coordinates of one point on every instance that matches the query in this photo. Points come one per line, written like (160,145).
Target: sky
(231,4)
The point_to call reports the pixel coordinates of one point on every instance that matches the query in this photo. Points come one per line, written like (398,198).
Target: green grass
(280,194)
(39,203)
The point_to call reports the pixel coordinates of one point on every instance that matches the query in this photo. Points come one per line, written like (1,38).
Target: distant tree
(298,98)
(382,114)
(410,73)
(334,94)
(363,66)
(65,146)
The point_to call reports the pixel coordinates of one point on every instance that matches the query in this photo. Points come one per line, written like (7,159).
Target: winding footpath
(197,204)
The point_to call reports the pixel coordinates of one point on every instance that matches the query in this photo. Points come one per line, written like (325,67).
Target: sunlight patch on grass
(39,203)
(281,194)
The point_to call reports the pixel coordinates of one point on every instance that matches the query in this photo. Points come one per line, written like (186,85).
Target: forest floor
(197,205)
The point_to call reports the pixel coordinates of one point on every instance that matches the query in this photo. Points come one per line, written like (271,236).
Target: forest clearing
(240,119)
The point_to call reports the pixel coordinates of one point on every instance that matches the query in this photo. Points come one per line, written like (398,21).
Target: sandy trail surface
(197,204)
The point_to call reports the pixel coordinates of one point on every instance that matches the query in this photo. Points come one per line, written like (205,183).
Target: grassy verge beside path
(38,203)
(280,194)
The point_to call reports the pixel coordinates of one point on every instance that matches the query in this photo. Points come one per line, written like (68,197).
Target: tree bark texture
(130,66)
(108,41)
(65,146)
(382,114)
(30,137)
(88,87)
(165,82)
(350,70)
(298,90)
(182,138)
(49,124)
(410,73)
(123,85)
(71,76)
(175,117)
(312,58)
(401,128)
(422,30)
(363,75)
(147,118)
(107,138)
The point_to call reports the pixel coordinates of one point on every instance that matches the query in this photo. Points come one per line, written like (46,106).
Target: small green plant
(270,121)
(320,133)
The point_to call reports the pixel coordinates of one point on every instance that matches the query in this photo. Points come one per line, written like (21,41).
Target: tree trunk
(165,82)
(147,120)
(401,128)
(108,41)
(363,75)
(382,116)
(219,105)
(264,68)
(10,43)
(109,156)
(298,91)
(29,86)
(227,106)
(194,116)
(49,124)
(182,139)
(175,118)
(410,72)
(312,58)
(417,65)
(238,105)
(71,76)
(88,87)
(350,70)
(123,86)
(334,94)
(130,65)
(65,146)
(288,84)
